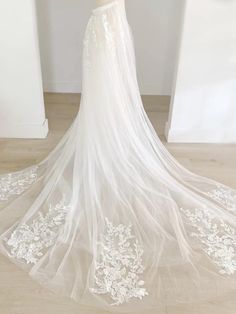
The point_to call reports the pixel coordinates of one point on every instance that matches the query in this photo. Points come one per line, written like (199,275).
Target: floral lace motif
(119,266)
(16,183)
(28,241)
(224,196)
(217,237)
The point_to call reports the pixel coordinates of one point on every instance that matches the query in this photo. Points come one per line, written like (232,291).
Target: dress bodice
(101,3)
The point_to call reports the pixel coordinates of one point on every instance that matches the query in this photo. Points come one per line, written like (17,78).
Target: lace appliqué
(218,238)
(120,265)
(16,183)
(28,241)
(224,196)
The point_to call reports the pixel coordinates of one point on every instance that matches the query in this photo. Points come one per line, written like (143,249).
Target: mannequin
(104,2)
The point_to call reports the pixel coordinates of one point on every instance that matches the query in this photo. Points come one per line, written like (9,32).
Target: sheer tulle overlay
(110,219)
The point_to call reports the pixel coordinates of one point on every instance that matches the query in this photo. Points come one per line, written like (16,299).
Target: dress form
(103,2)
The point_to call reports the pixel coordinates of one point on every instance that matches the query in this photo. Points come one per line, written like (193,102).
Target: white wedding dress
(110,218)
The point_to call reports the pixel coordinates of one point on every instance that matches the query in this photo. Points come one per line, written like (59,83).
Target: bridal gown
(110,218)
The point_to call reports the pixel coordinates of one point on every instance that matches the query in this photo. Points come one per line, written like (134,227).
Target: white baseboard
(34,131)
(153,89)
(62,87)
(75,87)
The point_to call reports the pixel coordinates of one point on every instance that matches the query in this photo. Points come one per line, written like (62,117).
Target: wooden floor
(18,293)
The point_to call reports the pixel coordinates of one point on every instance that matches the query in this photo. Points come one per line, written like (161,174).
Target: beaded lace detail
(224,196)
(218,238)
(119,266)
(29,241)
(16,183)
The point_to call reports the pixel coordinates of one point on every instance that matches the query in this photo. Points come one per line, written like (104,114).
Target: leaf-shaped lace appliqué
(218,238)
(118,270)
(29,241)
(16,183)
(224,196)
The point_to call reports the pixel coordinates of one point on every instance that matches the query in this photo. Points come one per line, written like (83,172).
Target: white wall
(21,94)
(204,101)
(155,24)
